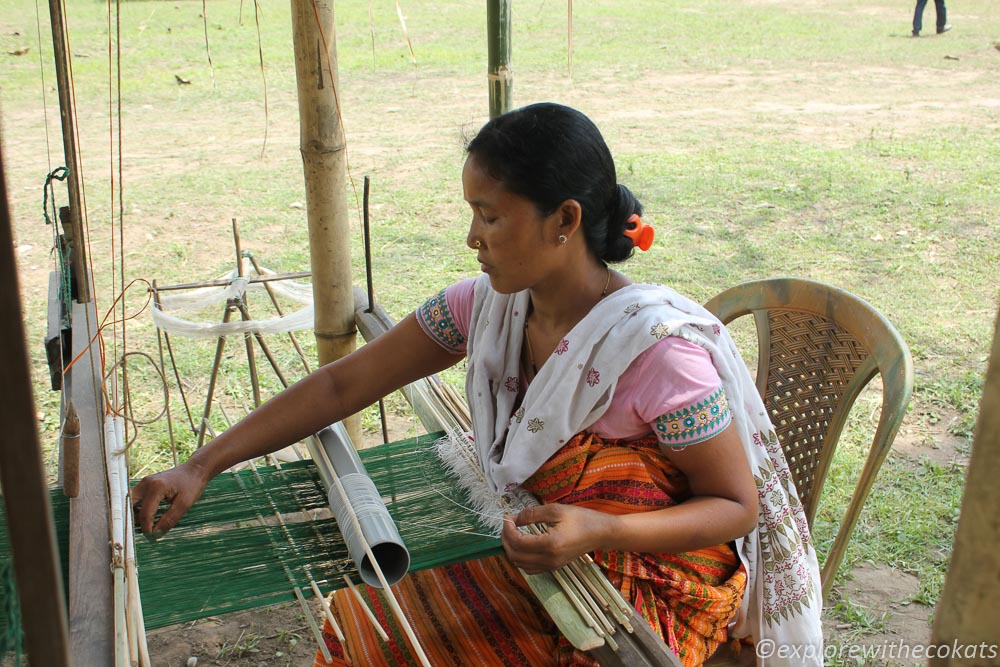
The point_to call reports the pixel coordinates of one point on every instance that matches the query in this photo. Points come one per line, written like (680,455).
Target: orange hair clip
(640,233)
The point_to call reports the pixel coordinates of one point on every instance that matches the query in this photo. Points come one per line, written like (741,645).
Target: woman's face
(508,233)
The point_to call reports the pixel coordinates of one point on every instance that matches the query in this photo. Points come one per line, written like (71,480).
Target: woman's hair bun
(620,247)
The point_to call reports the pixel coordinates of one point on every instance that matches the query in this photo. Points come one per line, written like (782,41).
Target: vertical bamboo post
(965,622)
(324,161)
(22,473)
(500,75)
(67,114)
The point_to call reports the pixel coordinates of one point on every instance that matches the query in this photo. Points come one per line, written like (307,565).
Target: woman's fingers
(567,531)
(171,516)
(146,497)
(557,543)
(180,487)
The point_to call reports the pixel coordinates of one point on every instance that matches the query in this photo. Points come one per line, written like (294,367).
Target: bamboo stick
(278,309)
(112,438)
(177,375)
(121,631)
(219,347)
(133,633)
(70,134)
(389,594)
(966,614)
(163,365)
(259,337)
(569,37)
(368,612)
(132,576)
(328,613)
(312,624)
(225,282)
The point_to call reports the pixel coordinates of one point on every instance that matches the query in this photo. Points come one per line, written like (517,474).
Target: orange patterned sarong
(482,613)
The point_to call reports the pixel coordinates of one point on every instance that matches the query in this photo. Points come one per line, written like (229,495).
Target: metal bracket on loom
(335,456)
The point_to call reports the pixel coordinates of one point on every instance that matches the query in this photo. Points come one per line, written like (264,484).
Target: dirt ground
(829,111)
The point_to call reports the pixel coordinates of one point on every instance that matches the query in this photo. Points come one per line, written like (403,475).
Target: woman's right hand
(180,487)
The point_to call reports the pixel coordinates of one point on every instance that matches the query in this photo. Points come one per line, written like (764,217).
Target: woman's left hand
(570,531)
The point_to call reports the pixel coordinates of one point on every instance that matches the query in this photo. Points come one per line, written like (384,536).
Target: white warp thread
(176,311)
(367,503)
(461,459)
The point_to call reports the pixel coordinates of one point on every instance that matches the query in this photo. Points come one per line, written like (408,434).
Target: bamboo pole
(324,161)
(22,473)
(67,115)
(966,614)
(499,73)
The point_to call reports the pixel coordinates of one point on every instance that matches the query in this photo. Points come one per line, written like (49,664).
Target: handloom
(257,536)
(219,559)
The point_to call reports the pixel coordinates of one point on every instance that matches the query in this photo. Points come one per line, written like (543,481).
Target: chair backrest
(818,346)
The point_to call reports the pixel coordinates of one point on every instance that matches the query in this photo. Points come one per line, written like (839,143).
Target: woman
(624,407)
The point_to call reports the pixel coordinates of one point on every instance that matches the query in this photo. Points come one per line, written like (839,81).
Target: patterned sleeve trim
(436,320)
(696,422)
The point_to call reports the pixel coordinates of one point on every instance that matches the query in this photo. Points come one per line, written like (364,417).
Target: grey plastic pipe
(335,455)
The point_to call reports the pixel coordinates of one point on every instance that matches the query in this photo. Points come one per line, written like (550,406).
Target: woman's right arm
(400,356)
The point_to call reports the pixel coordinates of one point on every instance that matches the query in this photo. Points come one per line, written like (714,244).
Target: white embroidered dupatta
(782,603)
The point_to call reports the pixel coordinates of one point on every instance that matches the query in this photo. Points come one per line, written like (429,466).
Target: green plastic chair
(818,347)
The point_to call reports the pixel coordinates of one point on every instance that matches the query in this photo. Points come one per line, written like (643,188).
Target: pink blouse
(672,389)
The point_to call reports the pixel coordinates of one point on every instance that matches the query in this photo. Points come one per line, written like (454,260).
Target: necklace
(607,283)
(527,338)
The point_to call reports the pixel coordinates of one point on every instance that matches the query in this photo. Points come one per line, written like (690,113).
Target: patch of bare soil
(278,636)
(888,627)
(926,438)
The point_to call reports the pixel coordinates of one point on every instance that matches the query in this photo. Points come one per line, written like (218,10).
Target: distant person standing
(942,17)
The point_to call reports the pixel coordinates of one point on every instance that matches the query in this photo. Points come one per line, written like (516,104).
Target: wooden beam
(22,474)
(966,616)
(420,394)
(91,602)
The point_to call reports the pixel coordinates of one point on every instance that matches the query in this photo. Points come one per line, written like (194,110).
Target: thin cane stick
(326,611)
(393,602)
(312,624)
(368,612)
